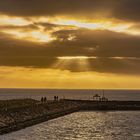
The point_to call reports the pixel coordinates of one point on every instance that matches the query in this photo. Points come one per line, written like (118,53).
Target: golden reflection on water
(84,126)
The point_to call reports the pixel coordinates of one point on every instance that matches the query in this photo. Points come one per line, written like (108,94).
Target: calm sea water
(84,126)
(71,94)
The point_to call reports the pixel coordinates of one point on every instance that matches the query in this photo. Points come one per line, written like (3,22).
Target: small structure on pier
(97,97)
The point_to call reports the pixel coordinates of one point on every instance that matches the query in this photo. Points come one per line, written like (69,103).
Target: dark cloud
(29,27)
(8,41)
(127,9)
(120,9)
(85,42)
(101,64)
(51,7)
(103,44)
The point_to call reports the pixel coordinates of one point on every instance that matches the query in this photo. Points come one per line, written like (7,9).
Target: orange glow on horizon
(55,78)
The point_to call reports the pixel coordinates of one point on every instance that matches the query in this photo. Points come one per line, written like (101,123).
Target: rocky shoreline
(16,118)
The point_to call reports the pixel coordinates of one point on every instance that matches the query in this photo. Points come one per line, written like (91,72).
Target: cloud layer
(35,33)
(122,9)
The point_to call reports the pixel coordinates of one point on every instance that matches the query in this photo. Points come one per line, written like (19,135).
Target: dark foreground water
(84,126)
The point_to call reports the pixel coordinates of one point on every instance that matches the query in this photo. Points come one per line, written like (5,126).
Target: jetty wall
(12,119)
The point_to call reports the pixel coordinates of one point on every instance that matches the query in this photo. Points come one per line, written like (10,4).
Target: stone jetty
(18,114)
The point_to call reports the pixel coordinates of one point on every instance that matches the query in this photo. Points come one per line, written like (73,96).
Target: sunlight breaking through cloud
(95,25)
(79,63)
(76,57)
(58,24)
(15,21)
(35,36)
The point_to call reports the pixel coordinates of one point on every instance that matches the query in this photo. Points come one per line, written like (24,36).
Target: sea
(81,94)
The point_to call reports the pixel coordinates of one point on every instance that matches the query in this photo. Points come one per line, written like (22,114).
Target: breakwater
(18,114)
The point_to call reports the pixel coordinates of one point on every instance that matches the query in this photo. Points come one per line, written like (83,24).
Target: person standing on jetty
(42,99)
(45,99)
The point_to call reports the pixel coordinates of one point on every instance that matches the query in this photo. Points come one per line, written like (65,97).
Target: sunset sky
(70,44)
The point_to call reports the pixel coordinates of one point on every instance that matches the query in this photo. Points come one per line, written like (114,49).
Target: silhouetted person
(57,98)
(54,98)
(45,99)
(42,99)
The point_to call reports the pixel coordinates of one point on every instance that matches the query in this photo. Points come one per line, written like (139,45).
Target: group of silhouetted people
(56,98)
(43,99)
